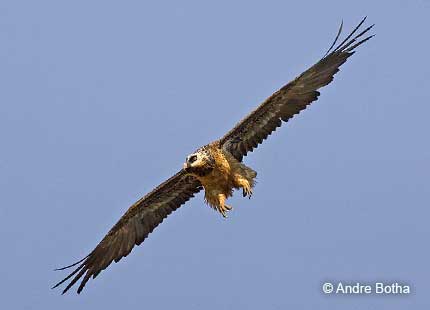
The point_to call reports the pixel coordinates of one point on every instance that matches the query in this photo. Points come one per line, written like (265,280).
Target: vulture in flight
(216,167)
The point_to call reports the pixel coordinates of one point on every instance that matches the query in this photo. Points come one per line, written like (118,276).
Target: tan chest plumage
(220,179)
(227,175)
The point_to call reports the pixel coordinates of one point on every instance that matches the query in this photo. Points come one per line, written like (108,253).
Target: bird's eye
(192,158)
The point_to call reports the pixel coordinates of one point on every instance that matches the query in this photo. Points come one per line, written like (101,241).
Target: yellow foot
(223,209)
(247,191)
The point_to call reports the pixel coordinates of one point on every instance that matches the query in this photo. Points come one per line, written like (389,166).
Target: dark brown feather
(134,226)
(290,99)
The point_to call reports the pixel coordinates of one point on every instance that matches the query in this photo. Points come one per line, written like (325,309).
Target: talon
(247,191)
(224,209)
(221,207)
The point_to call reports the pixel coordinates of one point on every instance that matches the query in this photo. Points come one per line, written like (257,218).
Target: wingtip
(72,265)
(56,285)
(336,38)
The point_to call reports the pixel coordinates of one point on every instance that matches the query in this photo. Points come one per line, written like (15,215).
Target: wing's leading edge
(292,98)
(133,227)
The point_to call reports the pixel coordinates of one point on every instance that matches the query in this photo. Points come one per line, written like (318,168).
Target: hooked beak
(186,166)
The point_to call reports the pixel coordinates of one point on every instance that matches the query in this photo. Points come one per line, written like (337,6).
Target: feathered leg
(244,179)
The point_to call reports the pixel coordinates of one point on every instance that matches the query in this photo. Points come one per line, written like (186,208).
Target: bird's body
(220,173)
(216,167)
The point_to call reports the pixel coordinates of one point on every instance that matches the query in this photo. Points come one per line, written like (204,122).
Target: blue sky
(102,100)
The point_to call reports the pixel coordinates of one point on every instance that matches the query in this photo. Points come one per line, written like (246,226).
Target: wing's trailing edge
(292,98)
(133,227)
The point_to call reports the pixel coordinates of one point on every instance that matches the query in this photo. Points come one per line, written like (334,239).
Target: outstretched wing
(290,99)
(134,226)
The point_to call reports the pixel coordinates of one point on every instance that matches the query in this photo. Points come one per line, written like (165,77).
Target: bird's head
(199,163)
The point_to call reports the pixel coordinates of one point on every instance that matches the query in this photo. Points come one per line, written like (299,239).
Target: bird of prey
(216,167)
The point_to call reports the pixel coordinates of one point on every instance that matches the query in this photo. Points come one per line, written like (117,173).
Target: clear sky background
(101,101)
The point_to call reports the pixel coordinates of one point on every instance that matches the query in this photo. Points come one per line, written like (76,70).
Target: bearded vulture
(216,167)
